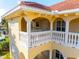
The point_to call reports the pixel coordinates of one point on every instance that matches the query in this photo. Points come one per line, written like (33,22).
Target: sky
(6,5)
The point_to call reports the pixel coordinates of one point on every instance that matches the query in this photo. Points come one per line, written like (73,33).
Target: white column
(29,32)
(51,29)
(28,26)
(67,26)
(51,25)
(66,31)
(50,54)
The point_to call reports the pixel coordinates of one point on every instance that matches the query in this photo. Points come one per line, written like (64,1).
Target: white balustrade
(24,39)
(58,37)
(23,36)
(38,38)
(73,40)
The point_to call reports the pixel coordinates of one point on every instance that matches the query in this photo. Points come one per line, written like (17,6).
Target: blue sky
(6,5)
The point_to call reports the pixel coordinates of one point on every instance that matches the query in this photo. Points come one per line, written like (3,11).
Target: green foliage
(5,24)
(0,34)
(4,46)
(7,56)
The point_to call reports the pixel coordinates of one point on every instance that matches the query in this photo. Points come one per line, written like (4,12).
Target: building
(44,32)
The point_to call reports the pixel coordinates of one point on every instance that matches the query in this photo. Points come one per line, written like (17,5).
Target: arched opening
(74,25)
(43,55)
(21,55)
(40,24)
(57,55)
(59,25)
(23,25)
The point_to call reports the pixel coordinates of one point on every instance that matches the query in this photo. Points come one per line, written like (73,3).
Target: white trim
(67,11)
(39,10)
(27,8)
(11,11)
(34,9)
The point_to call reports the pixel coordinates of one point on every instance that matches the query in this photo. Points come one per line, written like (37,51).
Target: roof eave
(66,11)
(11,11)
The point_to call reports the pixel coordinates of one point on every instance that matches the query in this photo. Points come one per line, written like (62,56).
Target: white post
(67,26)
(29,32)
(66,31)
(51,25)
(50,54)
(51,29)
(28,26)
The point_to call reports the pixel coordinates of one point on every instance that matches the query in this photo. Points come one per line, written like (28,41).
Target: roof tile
(65,5)
(33,4)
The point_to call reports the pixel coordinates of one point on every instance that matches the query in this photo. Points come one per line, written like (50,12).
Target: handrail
(38,38)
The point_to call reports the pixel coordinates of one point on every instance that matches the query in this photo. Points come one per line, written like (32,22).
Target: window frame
(61,26)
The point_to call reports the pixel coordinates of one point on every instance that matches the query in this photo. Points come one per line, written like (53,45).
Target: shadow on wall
(56,54)
(13,48)
(43,55)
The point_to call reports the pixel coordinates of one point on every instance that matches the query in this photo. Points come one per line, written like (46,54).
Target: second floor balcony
(38,38)
(41,31)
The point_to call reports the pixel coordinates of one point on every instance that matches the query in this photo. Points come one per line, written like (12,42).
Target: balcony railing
(67,39)
(58,37)
(63,38)
(38,38)
(24,39)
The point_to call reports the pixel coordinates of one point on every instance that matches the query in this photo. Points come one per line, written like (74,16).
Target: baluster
(75,40)
(69,39)
(78,41)
(64,37)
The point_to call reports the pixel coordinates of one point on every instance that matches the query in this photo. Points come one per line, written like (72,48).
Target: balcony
(37,38)
(40,30)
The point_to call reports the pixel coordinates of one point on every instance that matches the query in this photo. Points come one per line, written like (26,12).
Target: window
(60,25)
(59,55)
(37,24)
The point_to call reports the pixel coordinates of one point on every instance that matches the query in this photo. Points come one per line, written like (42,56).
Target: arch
(59,24)
(56,54)
(23,25)
(74,25)
(43,55)
(40,24)
(21,55)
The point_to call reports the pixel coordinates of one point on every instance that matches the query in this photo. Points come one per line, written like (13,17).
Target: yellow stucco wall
(66,51)
(74,25)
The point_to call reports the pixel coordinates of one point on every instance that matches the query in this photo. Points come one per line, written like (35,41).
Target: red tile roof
(65,5)
(34,4)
